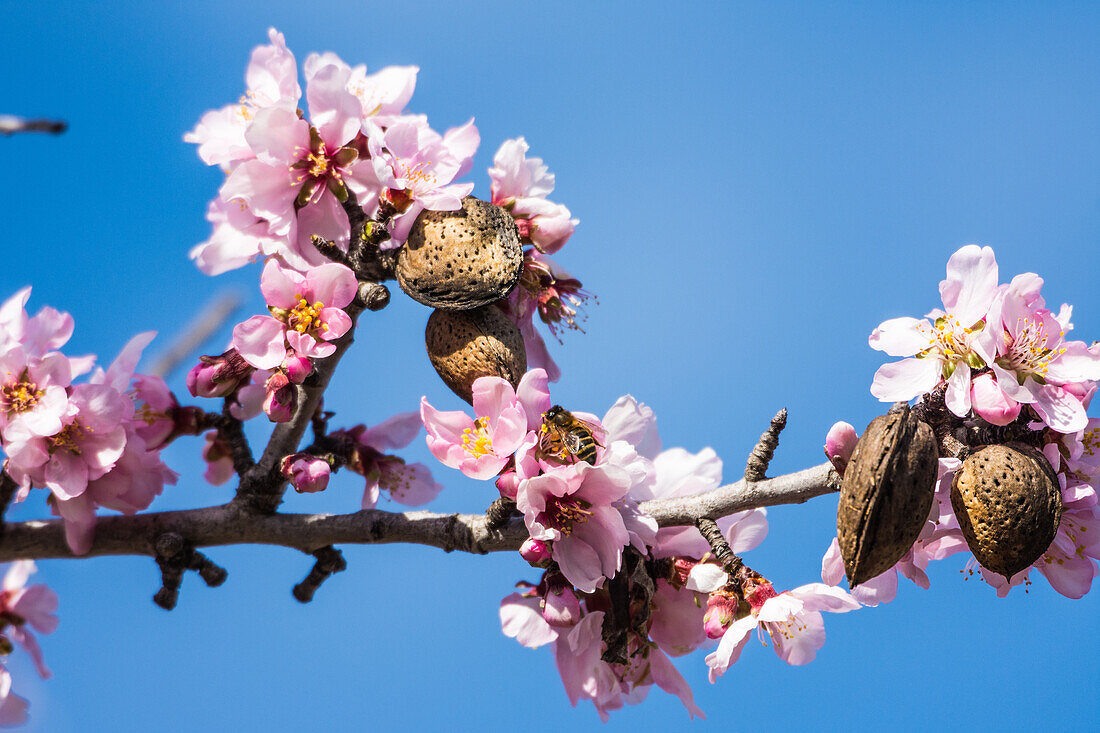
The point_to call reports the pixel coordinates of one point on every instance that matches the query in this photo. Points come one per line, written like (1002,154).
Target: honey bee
(566,438)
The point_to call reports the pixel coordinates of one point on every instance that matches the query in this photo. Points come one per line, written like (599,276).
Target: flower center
(562,513)
(305,317)
(68,437)
(1028,351)
(318,164)
(1090,441)
(948,337)
(419,175)
(557,300)
(16,397)
(476,440)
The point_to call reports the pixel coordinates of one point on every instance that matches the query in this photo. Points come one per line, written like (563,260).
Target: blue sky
(758,184)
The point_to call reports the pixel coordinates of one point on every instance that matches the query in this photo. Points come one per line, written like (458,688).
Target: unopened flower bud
(508,485)
(561,607)
(721,612)
(839,444)
(990,402)
(297,368)
(535,552)
(281,399)
(308,474)
(218,376)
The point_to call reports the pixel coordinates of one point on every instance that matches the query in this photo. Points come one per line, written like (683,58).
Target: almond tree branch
(233,524)
(10,124)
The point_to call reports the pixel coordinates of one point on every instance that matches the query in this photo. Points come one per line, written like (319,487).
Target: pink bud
(297,368)
(282,398)
(839,444)
(990,402)
(524,228)
(535,552)
(721,612)
(218,376)
(308,474)
(508,485)
(561,607)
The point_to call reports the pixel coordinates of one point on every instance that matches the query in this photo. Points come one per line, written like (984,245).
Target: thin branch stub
(757,466)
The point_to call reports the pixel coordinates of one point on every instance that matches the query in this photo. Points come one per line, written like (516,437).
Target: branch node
(499,512)
(761,456)
(329,561)
(174,556)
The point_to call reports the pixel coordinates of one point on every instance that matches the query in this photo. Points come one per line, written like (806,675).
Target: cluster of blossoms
(1001,360)
(595,547)
(289,176)
(520,185)
(92,444)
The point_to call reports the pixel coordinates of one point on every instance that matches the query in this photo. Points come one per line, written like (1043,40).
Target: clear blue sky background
(759,185)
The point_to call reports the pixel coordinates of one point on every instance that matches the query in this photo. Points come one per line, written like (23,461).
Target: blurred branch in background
(211,318)
(10,124)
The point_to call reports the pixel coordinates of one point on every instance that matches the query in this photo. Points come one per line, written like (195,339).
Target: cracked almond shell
(1008,505)
(462,259)
(886,495)
(465,345)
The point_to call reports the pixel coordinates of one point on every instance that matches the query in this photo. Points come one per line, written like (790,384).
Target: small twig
(757,466)
(329,561)
(174,556)
(10,124)
(499,512)
(731,562)
(330,250)
(210,319)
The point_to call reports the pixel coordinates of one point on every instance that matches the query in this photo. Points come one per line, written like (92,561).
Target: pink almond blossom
(948,346)
(572,507)
(521,185)
(480,446)
(26,607)
(271,79)
(1034,363)
(792,619)
(307,314)
(417,167)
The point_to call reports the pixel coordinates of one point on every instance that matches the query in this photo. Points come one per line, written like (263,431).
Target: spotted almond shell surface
(462,259)
(465,345)
(886,494)
(1008,505)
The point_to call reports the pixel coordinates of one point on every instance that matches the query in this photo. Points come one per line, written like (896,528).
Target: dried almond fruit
(1008,504)
(465,345)
(461,259)
(886,495)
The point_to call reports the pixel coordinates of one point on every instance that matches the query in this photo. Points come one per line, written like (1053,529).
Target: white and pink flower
(792,619)
(948,346)
(480,446)
(307,315)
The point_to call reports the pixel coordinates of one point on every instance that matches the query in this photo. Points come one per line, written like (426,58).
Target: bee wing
(573,441)
(598,433)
